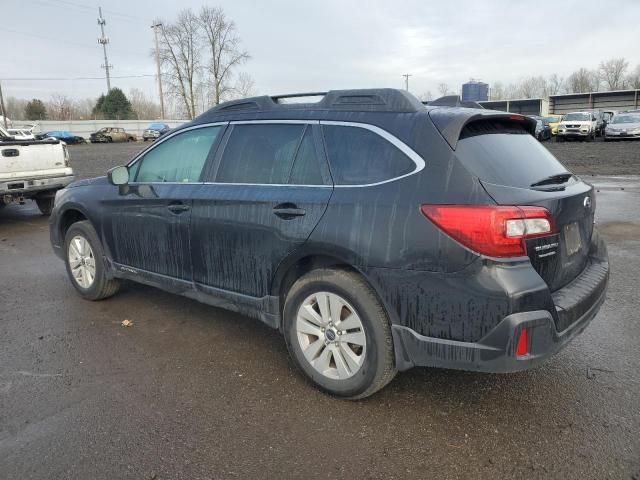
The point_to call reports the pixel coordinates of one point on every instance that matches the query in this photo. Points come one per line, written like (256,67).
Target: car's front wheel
(338,333)
(85,265)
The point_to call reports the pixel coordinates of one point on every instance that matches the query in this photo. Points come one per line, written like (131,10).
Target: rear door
(268,189)
(517,170)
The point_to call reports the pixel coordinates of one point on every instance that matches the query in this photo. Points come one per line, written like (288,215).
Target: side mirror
(118,175)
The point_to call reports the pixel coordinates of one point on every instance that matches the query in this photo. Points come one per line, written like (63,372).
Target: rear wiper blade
(553,179)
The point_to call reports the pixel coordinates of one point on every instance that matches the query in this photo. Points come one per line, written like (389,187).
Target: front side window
(260,153)
(358,156)
(179,159)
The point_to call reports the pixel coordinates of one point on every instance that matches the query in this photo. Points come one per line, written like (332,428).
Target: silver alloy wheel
(81,261)
(331,335)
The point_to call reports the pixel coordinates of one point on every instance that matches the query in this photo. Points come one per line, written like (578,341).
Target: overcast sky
(308,46)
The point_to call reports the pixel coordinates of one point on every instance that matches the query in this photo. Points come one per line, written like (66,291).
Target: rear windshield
(513,159)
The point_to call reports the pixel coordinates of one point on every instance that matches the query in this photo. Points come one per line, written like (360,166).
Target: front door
(271,188)
(148,221)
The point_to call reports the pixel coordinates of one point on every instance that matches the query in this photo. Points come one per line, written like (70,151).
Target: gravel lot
(194,392)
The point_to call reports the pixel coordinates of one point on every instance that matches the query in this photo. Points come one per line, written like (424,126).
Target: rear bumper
(32,186)
(576,305)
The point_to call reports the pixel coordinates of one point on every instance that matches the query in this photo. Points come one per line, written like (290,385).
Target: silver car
(623,126)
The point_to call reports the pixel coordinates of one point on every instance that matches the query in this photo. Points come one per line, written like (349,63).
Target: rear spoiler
(451,121)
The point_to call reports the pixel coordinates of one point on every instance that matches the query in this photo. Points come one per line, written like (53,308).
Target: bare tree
(244,86)
(180,58)
(60,107)
(633,79)
(143,106)
(555,84)
(533,87)
(443,89)
(426,96)
(612,73)
(15,108)
(224,49)
(496,92)
(583,81)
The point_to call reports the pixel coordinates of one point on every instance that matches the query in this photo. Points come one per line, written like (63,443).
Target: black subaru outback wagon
(375,233)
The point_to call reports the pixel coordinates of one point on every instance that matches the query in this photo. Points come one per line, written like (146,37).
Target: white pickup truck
(32,169)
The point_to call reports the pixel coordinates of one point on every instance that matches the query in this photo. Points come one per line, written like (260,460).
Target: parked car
(623,126)
(553,120)
(376,234)
(112,134)
(21,134)
(32,170)
(577,125)
(155,131)
(63,135)
(543,130)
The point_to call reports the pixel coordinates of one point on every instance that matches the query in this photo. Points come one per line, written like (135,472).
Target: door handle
(178,208)
(287,211)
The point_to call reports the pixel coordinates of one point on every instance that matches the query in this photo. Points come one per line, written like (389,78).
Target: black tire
(102,287)
(378,367)
(109,139)
(45,204)
(144,139)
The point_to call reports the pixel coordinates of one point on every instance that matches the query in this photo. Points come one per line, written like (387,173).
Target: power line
(51,39)
(59,79)
(67,3)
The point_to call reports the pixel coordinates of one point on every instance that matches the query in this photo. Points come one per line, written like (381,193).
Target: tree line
(612,74)
(113,106)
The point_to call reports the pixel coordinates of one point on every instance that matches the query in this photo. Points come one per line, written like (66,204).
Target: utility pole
(155,27)
(4,110)
(406,81)
(103,41)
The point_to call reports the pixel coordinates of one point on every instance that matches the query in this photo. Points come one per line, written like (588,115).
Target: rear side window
(358,156)
(261,153)
(178,159)
(505,155)
(306,167)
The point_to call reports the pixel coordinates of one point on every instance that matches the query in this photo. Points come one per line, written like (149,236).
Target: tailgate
(31,157)
(558,258)
(515,169)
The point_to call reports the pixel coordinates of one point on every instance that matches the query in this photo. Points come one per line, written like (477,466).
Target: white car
(32,170)
(579,125)
(21,134)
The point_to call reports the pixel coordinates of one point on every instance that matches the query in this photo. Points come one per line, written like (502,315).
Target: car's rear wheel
(84,262)
(338,333)
(45,204)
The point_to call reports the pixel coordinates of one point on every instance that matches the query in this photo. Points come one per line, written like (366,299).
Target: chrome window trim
(403,147)
(395,141)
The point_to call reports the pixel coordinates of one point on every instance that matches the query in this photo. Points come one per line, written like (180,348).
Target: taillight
(522,349)
(496,231)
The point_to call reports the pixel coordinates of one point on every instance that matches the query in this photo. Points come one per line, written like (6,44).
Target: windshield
(551,119)
(626,119)
(516,160)
(156,126)
(577,117)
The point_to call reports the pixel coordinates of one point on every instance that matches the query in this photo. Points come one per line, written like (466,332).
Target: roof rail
(275,98)
(374,100)
(452,101)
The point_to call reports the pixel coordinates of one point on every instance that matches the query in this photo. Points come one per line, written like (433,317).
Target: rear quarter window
(358,156)
(505,154)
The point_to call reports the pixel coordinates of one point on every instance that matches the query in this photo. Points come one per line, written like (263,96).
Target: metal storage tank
(474,91)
